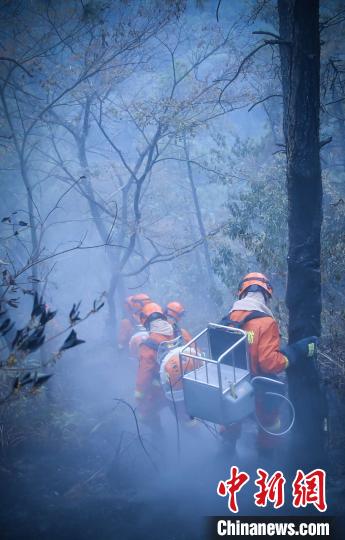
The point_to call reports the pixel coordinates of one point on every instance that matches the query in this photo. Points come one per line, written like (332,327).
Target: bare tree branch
(263,100)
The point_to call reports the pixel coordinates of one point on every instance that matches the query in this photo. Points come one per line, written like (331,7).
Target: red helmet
(150,312)
(175,310)
(254,279)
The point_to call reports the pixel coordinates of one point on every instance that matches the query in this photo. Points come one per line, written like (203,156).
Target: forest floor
(74,467)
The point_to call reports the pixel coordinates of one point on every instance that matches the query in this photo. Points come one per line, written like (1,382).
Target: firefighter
(149,395)
(171,381)
(174,312)
(251,312)
(128,325)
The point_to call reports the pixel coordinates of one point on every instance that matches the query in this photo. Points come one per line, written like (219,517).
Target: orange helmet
(252,281)
(175,310)
(149,312)
(136,301)
(139,300)
(172,368)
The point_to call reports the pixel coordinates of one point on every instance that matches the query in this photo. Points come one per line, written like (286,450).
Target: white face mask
(160,326)
(258,295)
(253,301)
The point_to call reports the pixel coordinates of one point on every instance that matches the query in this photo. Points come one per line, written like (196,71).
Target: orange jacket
(186,335)
(264,344)
(126,330)
(148,371)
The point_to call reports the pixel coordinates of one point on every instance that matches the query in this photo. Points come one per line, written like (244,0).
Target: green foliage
(256,237)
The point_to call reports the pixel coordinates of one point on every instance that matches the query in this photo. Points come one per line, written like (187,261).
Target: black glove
(300,350)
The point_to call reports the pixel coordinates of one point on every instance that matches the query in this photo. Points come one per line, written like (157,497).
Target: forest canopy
(170,147)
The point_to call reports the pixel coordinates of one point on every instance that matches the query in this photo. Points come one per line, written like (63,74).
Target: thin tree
(199,217)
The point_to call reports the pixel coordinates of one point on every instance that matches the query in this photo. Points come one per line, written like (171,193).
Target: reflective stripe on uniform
(250,337)
(311,349)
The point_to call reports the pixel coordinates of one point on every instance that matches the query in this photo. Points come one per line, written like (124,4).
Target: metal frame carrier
(218,388)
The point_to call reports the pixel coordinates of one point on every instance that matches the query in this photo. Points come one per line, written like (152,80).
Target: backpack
(220,341)
(226,321)
(162,348)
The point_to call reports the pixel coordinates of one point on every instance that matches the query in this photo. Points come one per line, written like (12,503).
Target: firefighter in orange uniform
(149,395)
(128,325)
(174,312)
(252,313)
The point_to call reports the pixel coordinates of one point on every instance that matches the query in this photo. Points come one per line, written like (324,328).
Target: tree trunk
(198,270)
(300,66)
(340,114)
(199,218)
